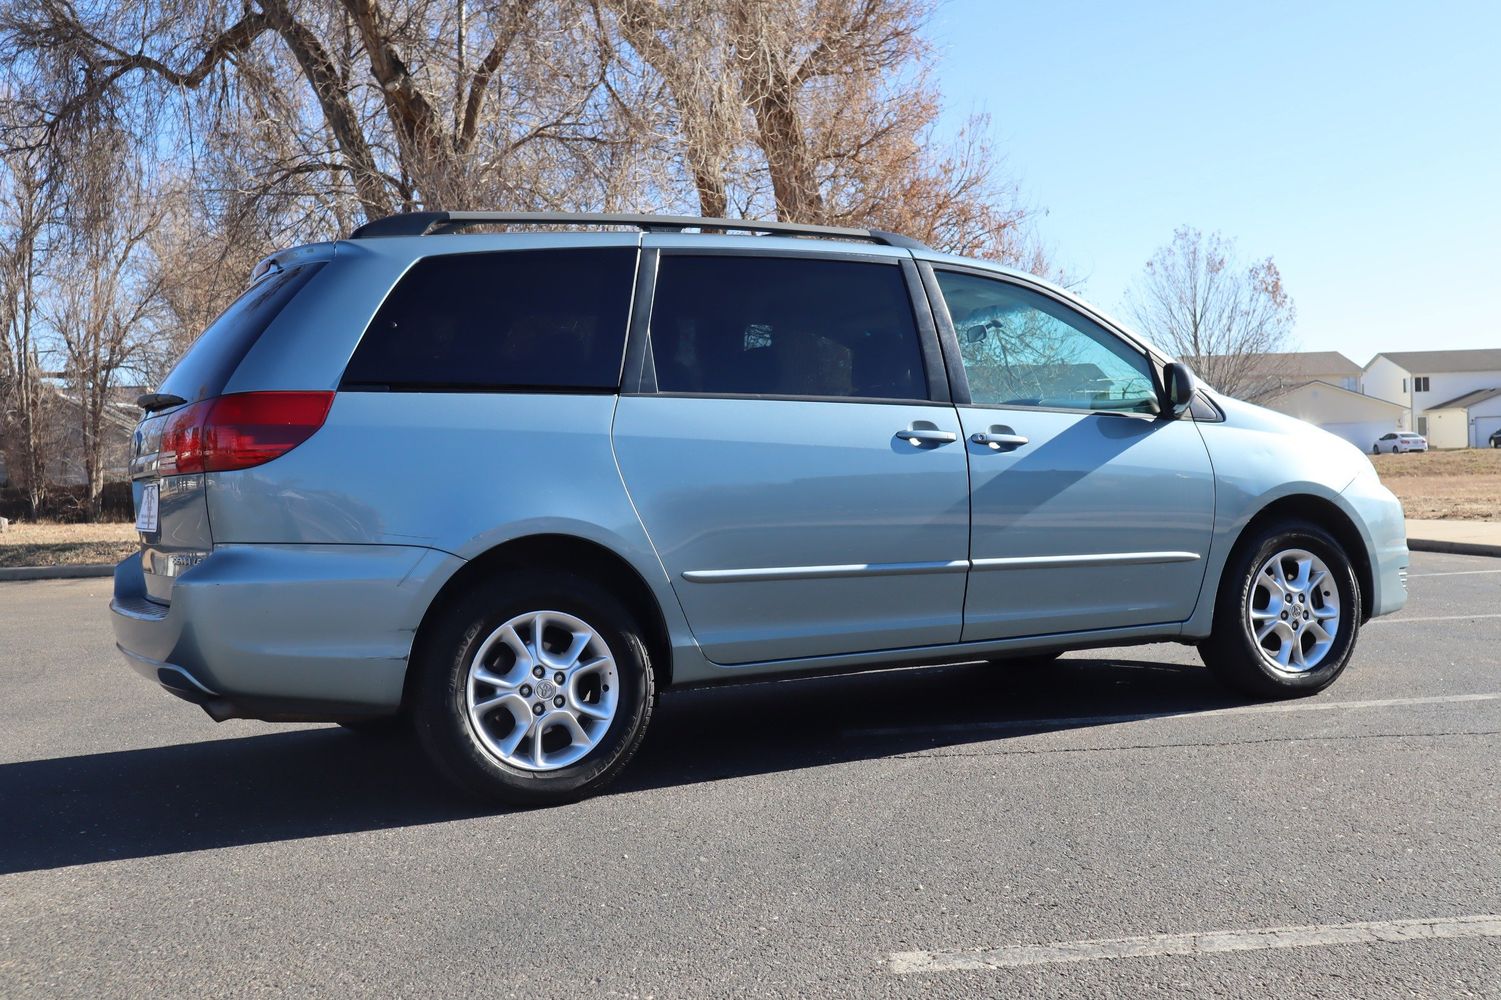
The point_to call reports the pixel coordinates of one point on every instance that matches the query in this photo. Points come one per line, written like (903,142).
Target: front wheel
(1287,614)
(1375,449)
(535,689)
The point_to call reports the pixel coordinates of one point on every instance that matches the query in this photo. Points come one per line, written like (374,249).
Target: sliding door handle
(998,441)
(926,435)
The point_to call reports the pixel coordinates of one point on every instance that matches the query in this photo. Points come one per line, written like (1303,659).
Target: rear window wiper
(153,401)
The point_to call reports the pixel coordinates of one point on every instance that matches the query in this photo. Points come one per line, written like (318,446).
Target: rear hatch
(171,511)
(167,451)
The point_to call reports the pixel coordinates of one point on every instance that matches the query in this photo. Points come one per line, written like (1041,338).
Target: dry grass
(1458,485)
(48,544)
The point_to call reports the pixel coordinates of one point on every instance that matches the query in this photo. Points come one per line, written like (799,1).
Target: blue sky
(1359,144)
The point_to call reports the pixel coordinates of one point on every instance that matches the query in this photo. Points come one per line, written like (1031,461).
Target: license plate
(146,517)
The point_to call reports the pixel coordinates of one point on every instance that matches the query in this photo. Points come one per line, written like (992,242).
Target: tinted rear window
(206,368)
(518,319)
(785,327)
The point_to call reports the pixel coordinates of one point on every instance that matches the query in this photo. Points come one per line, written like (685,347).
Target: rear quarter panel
(457,472)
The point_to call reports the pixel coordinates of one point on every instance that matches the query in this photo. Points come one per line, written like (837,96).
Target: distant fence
(70,504)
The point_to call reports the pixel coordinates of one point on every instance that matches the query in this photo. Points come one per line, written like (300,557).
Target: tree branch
(323,76)
(479,85)
(232,40)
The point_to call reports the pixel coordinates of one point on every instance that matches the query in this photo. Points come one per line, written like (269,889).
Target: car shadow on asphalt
(317,782)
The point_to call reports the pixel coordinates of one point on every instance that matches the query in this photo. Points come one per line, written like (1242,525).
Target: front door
(1090,510)
(805,490)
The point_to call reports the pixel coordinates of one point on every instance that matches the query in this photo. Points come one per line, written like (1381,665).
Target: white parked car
(1399,441)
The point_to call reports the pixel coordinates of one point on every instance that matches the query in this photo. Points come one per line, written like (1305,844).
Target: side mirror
(976,334)
(1181,386)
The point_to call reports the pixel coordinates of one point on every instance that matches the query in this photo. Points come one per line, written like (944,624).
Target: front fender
(1260,458)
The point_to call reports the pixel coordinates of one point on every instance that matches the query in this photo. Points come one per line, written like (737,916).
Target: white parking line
(1455,572)
(1279,707)
(1208,943)
(1430,618)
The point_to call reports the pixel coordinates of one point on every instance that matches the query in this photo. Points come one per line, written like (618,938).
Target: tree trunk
(793,182)
(769,90)
(348,133)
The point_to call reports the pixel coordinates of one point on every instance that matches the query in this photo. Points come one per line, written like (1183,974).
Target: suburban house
(1300,367)
(63,437)
(1354,416)
(1323,388)
(1467,421)
(1451,397)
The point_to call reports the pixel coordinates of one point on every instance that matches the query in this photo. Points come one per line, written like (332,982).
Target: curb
(1453,548)
(55,572)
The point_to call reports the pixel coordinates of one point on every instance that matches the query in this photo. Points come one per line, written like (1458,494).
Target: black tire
(439,710)
(1375,449)
(1232,653)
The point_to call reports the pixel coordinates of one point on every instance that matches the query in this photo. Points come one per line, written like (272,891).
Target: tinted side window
(785,327)
(206,368)
(518,319)
(1024,348)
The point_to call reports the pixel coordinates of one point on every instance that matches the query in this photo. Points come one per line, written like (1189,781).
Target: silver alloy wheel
(1293,613)
(542,690)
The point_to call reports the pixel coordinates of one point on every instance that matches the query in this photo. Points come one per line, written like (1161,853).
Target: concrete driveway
(908,834)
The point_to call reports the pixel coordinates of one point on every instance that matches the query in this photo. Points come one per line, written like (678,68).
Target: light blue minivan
(505,486)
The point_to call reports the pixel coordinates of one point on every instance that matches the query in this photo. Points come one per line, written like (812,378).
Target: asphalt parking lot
(902,834)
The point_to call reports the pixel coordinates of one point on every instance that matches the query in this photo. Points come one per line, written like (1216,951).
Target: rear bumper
(170,676)
(294,632)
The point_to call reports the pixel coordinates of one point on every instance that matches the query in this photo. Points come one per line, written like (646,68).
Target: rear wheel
(1287,614)
(535,689)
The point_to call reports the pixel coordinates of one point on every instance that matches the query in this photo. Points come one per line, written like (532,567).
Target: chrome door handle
(923,435)
(999,441)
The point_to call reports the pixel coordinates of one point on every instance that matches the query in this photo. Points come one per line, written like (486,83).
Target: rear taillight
(240,431)
(182,440)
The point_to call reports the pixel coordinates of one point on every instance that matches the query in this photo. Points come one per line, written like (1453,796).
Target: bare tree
(424,102)
(26,202)
(100,316)
(1219,315)
(687,44)
(241,126)
(814,110)
(198,260)
(820,111)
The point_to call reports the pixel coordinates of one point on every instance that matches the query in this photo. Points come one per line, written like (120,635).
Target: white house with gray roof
(1451,397)
(1467,421)
(1322,388)
(1346,413)
(1298,367)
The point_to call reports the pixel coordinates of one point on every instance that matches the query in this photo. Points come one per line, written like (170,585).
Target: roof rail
(433,223)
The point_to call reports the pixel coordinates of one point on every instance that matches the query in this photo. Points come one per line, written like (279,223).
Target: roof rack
(434,223)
